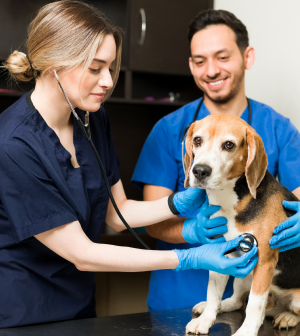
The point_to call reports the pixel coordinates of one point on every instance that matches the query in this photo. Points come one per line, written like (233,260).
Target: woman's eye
(197,141)
(228,145)
(111,71)
(94,71)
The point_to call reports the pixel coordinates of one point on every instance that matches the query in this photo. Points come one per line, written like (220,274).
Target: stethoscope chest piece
(247,243)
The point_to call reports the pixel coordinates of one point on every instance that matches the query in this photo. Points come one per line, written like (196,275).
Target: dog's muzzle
(201,171)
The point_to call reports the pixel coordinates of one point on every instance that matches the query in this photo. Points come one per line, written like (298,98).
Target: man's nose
(201,171)
(212,69)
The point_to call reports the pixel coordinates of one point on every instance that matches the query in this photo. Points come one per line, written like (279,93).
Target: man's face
(216,63)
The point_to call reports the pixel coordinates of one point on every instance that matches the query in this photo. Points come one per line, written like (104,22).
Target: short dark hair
(214,17)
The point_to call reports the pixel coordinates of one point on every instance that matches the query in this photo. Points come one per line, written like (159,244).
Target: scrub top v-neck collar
(73,176)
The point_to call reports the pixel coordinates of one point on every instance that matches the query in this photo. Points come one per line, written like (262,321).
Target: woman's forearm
(110,258)
(139,214)
(71,243)
(136,213)
(150,212)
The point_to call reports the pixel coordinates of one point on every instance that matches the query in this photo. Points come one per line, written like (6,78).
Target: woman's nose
(106,80)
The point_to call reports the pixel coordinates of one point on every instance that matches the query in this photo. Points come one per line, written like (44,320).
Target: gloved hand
(202,228)
(188,200)
(211,257)
(287,234)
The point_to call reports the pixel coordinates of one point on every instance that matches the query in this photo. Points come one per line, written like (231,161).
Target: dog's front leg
(255,311)
(216,286)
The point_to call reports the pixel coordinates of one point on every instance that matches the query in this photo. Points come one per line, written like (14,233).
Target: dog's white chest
(227,199)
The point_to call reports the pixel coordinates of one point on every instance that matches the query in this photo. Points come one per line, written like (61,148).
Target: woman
(53,197)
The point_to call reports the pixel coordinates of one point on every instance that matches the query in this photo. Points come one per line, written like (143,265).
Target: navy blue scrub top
(41,190)
(160,164)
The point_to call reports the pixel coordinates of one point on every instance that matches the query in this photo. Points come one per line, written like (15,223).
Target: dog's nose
(201,171)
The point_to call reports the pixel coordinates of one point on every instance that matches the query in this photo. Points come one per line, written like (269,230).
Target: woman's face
(95,81)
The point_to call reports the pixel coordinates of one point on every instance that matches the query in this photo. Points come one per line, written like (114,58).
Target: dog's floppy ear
(189,156)
(257,161)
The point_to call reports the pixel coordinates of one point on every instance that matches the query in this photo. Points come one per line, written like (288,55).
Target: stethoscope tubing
(86,131)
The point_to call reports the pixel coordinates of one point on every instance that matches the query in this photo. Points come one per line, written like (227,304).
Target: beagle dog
(225,156)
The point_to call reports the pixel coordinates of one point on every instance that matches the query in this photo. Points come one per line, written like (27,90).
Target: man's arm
(169,230)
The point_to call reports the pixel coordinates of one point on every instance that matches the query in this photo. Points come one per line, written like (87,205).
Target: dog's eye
(197,141)
(228,145)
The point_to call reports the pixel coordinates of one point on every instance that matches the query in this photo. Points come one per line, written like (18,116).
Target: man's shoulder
(265,110)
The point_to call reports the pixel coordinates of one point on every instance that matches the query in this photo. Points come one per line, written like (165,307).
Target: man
(220,54)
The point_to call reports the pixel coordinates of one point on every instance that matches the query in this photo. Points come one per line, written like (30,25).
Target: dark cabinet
(15,15)
(158,34)
(156,31)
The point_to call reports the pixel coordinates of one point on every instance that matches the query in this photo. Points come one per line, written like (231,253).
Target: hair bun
(19,67)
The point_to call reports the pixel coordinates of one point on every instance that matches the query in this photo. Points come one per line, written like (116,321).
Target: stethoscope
(194,119)
(86,131)
(248,241)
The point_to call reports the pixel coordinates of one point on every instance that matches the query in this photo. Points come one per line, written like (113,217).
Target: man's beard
(239,76)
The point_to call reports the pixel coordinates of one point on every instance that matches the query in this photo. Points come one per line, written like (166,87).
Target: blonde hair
(64,35)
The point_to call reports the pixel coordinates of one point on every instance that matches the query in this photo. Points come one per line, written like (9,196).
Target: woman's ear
(189,155)
(249,57)
(257,161)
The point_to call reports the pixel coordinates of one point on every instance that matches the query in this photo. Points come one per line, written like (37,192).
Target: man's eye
(223,58)
(228,145)
(197,141)
(94,71)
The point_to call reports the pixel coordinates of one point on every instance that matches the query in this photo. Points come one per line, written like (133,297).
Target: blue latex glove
(202,228)
(211,257)
(286,236)
(189,200)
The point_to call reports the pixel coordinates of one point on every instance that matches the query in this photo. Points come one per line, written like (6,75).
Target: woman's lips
(99,96)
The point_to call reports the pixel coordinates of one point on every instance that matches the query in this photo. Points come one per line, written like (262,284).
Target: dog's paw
(286,320)
(199,308)
(200,325)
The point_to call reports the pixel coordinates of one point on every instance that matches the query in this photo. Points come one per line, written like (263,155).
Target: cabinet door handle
(143,26)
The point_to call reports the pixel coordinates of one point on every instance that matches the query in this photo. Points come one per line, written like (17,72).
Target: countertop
(165,323)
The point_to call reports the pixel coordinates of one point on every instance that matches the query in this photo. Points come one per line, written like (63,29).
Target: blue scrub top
(41,190)
(160,164)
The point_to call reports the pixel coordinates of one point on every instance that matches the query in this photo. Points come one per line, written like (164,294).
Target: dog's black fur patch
(268,186)
(289,261)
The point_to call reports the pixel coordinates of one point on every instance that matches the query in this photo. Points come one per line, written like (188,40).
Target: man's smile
(216,84)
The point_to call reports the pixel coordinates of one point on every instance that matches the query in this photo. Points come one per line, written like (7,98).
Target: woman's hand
(212,257)
(202,228)
(188,200)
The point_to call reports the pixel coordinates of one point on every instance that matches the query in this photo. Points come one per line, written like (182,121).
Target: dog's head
(220,148)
